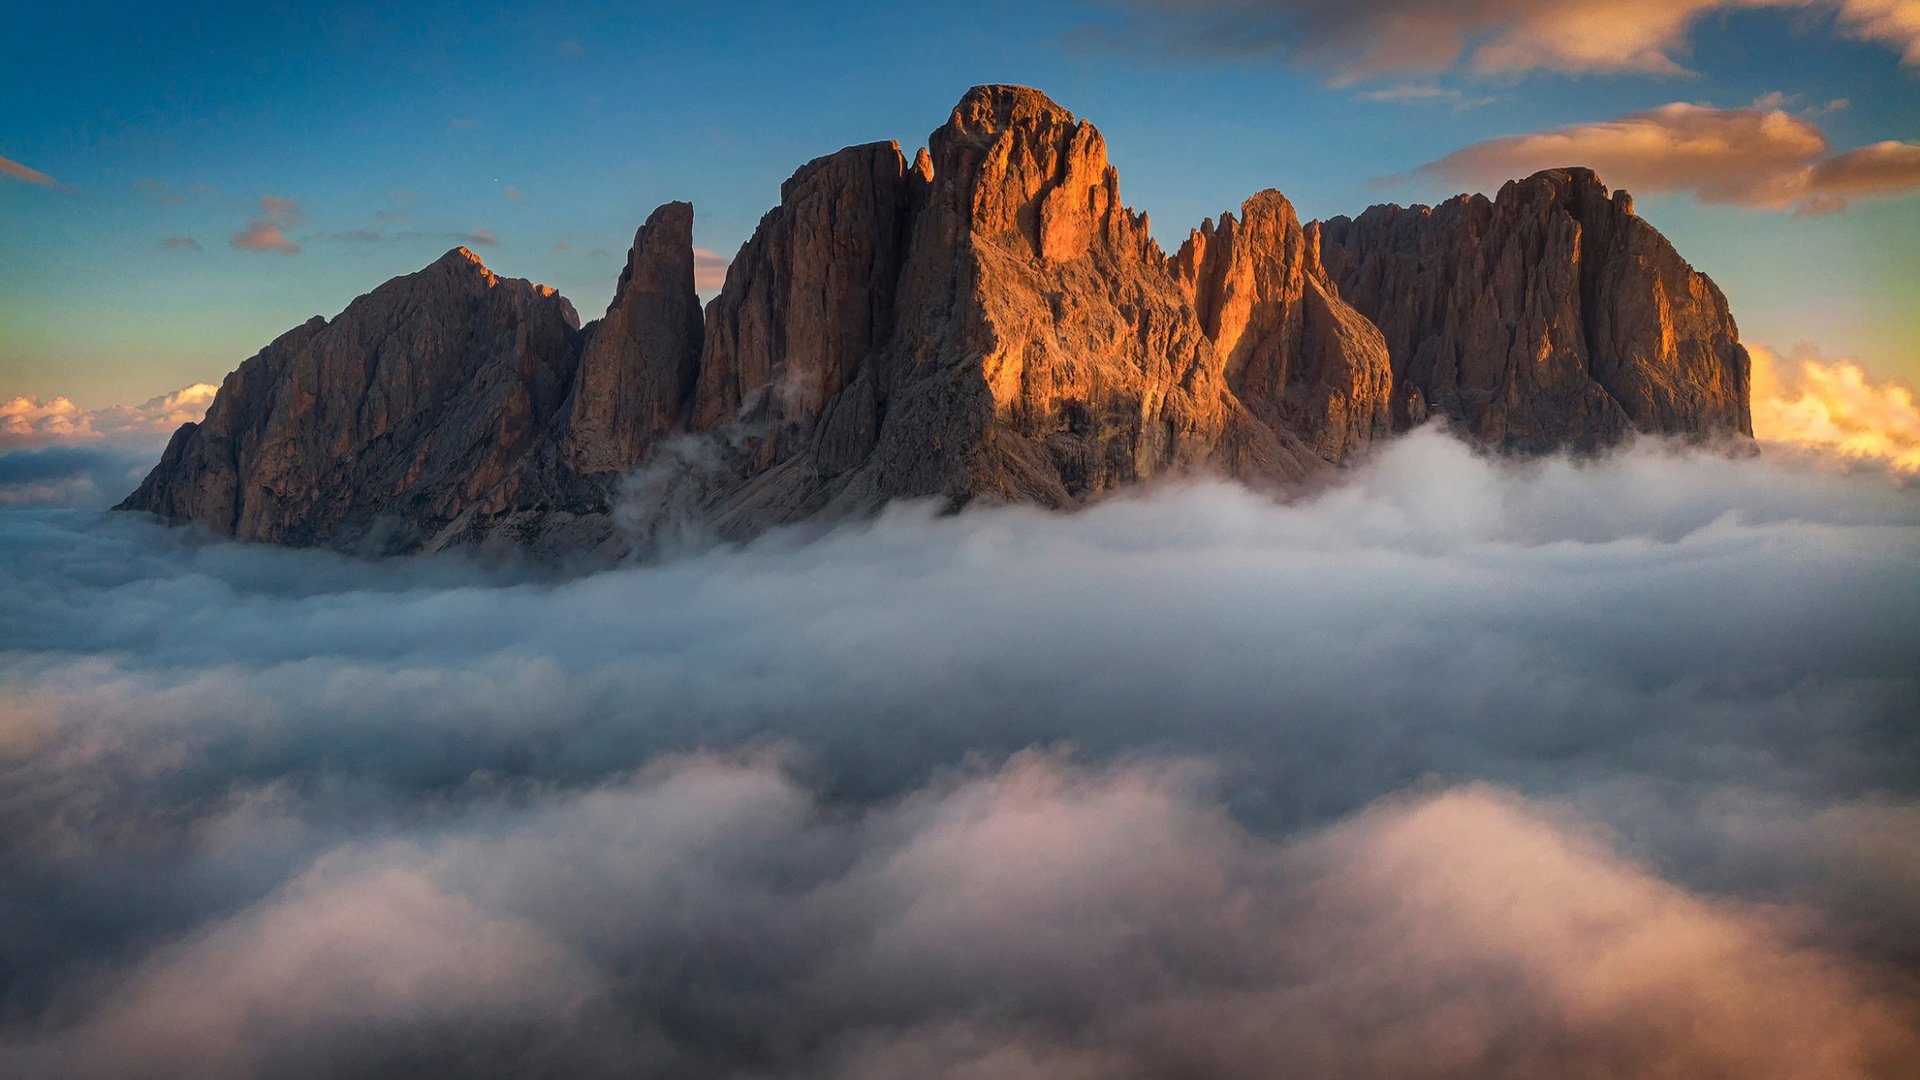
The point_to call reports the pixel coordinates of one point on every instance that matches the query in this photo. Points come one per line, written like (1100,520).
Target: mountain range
(985,321)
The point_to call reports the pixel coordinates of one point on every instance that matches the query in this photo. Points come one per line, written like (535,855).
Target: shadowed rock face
(371,429)
(639,363)
(987,321)
(1548,317)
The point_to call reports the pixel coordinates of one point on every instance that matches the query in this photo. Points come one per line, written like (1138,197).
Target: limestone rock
(1294,352)
(1005,330)
(639,362)
(371,430)
(1551,316)
(987,322)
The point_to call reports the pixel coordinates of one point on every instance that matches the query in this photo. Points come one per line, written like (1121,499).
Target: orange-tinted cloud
(709,270)
(1834,406)
(27,423)
(1362,38)
(1895,23)
(9,167)
(267,232)
(1754,157)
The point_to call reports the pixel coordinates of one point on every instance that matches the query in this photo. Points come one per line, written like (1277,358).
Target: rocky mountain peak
(1012,162)
(461,261)
(984,323)
(1548,316)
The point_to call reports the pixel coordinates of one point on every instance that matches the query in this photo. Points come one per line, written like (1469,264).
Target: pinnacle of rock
(986,322)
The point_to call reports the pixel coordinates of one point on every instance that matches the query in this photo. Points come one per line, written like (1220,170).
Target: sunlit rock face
(1550,316)
(988,322)
(984,322)
(1298,355)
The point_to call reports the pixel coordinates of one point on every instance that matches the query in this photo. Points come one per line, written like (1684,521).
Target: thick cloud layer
(1460,768)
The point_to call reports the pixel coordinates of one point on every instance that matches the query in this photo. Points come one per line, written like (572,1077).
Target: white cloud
(27,422)
(1460,767)
(1835,407)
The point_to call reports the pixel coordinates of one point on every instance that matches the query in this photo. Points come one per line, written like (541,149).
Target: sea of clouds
(1460,768)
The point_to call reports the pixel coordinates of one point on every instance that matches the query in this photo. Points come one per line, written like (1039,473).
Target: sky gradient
(176,192)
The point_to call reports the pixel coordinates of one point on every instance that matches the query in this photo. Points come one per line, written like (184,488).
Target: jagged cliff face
(990,322)
(1550,316)
(985,322)
(416,400)
(1298,355)
(639,362)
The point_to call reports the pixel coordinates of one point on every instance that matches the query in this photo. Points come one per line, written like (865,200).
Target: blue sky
(392,137)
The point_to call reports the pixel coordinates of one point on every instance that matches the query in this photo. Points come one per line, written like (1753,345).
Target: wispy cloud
(709,270)
(1359,39)
(513,194)
(462,123)
(1459,768)
(267,231)
(181,243)
(568,48)
(479,237)
(1425,95)
(159,191)
(9,167)
(1757,157)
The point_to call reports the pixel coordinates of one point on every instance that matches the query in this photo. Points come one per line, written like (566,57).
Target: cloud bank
(1360,39)
(1459,768)
(1834,407)
(54,453)
(1762,158)
(30,422)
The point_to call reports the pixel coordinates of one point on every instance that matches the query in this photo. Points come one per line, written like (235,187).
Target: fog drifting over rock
(1461,768)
